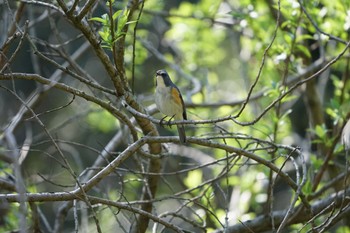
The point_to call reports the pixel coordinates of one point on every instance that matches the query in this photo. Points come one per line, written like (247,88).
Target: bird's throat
(160,82)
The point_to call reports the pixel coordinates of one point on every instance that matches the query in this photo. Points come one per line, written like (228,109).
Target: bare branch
(262,223)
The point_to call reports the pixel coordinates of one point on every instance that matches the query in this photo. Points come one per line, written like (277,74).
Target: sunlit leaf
(116,14)
(98,19)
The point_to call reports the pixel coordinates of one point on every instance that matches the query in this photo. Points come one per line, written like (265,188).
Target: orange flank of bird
(176,95)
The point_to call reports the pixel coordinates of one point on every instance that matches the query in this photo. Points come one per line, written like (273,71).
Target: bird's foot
(170,121)
(161,123)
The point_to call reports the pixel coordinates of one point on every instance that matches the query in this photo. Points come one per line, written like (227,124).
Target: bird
(169,101)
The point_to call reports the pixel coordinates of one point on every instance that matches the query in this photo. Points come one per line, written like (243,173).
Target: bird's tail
(182,135)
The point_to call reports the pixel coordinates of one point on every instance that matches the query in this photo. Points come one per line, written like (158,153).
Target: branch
(77,193)
(262,64)
(11,34)
(317,28)
(114,74)
(86,8)
(295,86)
(146,214)
(44,4)
(104,104)
(153,140)
(262,223)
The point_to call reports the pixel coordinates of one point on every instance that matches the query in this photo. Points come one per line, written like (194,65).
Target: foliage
(112,26)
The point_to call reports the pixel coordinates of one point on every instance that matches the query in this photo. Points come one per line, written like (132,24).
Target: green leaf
(119,36)
(304,37)
(288,37)
(316,163)
(122,20)
(307,188)
(104,35)
(304,50)
(108,2)
(130,22)
(106,46)
(116,14)
(320,131)
(98,19)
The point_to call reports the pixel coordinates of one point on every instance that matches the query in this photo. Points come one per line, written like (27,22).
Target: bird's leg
(170,120)
(161,123)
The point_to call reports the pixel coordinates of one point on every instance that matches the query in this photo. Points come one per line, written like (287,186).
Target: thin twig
(134,48)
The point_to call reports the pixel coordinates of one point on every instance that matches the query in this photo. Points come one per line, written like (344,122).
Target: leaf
(288,98)
(304,37)
(304,50)
(104,35)
(122,20)
(288,37)
(307,188)
(98,19)
(315,162)
(130,22)
(119,36)
(116,14)
(106,46)
(320,131)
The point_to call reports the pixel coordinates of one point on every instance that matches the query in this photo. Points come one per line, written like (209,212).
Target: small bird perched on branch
(169,101)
